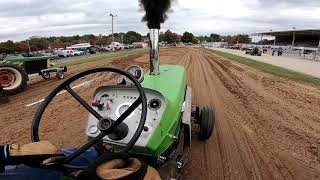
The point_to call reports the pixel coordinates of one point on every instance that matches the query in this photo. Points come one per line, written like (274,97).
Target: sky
(21,19)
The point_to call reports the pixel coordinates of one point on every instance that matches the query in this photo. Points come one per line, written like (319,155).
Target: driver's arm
(30,154)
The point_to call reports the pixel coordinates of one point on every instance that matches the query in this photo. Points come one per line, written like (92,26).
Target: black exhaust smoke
(155,12)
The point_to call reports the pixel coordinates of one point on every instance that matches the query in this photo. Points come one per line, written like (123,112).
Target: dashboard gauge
(122,108)
(135,71)
(154,104)
(120,80)
(93,129)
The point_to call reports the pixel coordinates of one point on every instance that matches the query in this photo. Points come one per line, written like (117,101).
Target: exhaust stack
(154,51)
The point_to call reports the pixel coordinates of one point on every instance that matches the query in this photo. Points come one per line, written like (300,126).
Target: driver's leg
(23,172)
(85,159)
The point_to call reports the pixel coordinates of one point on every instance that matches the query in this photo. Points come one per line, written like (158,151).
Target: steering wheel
(105,125)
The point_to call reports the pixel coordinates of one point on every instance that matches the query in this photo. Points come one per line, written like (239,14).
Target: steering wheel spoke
(83,103)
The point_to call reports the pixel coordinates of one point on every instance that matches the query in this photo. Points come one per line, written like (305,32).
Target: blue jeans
(23,172)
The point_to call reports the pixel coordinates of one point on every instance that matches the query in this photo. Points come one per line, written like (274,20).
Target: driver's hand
(119,166)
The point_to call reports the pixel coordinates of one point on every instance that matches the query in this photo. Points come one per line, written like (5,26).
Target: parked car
(254,51)
(248,50)
(77,53)
(93,50)
(235,47)
(106,48)
(64,53)
(118,46)
(53,56)
(128,46)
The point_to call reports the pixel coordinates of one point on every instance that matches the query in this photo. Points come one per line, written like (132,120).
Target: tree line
(240,38)
(43,43)
(169,37)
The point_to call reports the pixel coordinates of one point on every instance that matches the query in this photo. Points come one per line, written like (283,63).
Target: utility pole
(122,39)
(112,16)
(29,46)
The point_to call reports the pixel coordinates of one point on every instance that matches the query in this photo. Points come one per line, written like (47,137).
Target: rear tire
(207,119)
(19,75)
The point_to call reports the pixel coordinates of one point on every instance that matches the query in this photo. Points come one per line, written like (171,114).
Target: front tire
(207,119)
(45,75)
(60,75)
(13,78)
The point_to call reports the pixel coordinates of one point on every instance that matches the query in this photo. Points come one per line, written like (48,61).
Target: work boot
(3,96)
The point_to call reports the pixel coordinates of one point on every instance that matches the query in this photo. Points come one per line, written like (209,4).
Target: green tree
(170,37)
(215,38)
(103,40)
(39,44)
(131,36)
(161,37)
(66,44)
(243,38)
(87,38)
(187,37)
(7,47)
(202,38)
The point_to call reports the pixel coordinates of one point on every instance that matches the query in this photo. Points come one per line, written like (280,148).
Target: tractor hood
(171,83)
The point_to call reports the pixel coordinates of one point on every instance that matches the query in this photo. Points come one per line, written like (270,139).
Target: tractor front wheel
(60,75)
(45,75)
(207,119)
(13,78)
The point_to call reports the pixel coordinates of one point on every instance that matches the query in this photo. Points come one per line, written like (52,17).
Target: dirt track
(266,127)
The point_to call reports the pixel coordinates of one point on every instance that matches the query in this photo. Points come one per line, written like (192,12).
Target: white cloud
(20,19)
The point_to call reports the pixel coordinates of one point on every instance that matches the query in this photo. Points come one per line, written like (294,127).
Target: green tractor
(14,72)
(148,116)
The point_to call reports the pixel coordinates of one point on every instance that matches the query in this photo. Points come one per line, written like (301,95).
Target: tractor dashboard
(112,101)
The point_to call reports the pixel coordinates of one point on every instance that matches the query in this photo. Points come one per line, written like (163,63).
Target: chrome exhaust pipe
(154,51)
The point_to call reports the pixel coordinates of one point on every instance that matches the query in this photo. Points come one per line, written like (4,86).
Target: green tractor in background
(14,72)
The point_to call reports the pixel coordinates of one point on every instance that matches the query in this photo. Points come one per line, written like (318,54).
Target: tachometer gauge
(135,71)
(123,109)
(120,80)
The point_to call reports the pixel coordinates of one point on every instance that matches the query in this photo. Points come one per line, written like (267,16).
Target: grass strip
(103,57)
